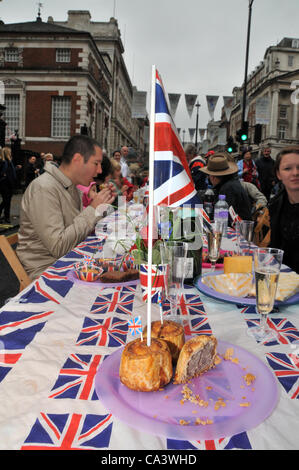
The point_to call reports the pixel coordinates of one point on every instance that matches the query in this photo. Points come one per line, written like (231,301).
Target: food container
(119,263)
(88,271)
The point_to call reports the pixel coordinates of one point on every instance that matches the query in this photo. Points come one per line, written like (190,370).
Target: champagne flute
(246,231)
(267,264)
(214,242)
(174,256)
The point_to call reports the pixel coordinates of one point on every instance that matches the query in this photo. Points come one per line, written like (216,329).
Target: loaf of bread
(196,357)
(171,332)
(145,368)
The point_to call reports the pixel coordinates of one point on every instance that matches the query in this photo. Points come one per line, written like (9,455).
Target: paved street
(8,281)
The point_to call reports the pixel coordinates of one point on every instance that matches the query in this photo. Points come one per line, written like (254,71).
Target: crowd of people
(60,205)
(251,185)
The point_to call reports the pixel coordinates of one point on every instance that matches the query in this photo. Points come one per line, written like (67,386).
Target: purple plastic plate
(160,412)
(72,277)
(236,300)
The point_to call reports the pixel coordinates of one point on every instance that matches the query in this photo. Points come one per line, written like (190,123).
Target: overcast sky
(198,46)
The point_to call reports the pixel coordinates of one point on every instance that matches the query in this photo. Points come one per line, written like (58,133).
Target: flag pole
(151,203)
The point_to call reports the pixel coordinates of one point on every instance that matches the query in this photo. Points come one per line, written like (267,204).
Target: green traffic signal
(229,149)
(244,137)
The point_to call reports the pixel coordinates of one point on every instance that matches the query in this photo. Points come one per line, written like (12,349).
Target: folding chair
(6,244)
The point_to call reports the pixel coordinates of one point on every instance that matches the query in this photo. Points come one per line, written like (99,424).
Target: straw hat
(219,165)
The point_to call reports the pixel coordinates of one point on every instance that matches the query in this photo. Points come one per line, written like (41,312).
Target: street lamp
(184,137)
(196,130)
(246,61)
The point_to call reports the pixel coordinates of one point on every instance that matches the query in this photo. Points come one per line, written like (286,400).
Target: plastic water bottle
(208,202)
(221,212)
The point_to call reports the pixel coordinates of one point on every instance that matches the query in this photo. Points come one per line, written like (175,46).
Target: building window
(63,55)
(282,132)
(290,60)
(295,43)
(61,116)
(283,112)
(12,54)
(12,114)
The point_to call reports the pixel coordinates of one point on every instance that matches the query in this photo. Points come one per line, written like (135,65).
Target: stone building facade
(277,78)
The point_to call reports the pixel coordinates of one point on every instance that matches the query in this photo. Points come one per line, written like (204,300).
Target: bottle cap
(222,196)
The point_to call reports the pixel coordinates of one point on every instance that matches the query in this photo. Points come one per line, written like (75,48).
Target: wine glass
(267,264)
(214,242)
(174,255)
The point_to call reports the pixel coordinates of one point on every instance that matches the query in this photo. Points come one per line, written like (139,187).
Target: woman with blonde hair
(8,179)
(122,185)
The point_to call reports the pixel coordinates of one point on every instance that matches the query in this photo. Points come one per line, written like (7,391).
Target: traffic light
(242,134)
(231,146)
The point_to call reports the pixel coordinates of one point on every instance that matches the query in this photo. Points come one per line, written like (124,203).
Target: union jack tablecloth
(56,333)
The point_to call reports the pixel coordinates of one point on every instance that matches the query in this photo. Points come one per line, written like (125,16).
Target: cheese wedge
(237,264)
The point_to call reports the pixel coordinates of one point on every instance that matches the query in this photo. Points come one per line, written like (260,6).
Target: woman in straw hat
(223,175)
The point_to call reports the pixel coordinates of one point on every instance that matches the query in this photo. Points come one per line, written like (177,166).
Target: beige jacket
(52,221)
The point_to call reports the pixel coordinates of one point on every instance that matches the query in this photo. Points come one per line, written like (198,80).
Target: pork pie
(196,357)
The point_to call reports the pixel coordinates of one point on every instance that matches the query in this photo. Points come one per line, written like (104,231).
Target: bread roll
(145,368)
(171,332)
(196,357)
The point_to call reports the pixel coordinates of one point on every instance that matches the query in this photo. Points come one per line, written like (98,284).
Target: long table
(56,334)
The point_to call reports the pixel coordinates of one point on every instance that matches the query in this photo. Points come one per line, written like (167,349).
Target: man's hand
(105,196)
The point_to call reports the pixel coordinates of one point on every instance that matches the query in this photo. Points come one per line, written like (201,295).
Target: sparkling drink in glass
(174,255)
(214,242)
(267,264)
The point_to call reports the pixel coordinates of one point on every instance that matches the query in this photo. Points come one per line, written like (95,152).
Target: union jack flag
(286,332)
(69,432)
(231,234)
(7,361)
(234,216)
(173,184)
(120,301)
(48,288)
(191,305)
(247,309)
(135,326)
(109,332)
(197,326)
(286,370)
(20,319)
(12,345)
(239,441)
(76,378)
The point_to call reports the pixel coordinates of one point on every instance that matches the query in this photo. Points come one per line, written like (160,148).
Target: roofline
(77,33)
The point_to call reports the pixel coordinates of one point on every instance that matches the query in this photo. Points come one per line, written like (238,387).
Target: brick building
(55,82)
(123,129)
